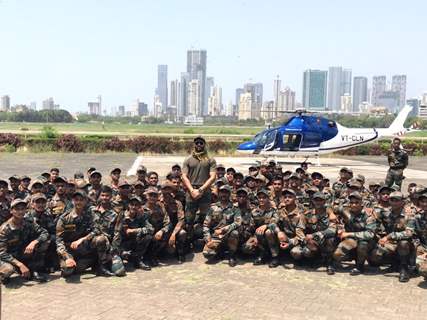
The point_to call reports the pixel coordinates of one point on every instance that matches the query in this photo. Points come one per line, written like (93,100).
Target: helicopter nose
(246,147)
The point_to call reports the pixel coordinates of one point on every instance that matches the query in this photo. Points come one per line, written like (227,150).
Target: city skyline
(94,50)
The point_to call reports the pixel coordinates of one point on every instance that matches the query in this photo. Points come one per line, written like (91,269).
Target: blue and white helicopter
(311,135)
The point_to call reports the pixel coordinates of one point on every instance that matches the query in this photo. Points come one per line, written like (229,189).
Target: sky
(75,50)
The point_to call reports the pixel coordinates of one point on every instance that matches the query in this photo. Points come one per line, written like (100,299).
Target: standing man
(198,174)
(398,161)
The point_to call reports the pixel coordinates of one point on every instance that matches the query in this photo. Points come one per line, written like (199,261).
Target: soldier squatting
(54,223)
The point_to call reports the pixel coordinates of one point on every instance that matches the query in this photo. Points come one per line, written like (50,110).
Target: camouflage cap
(231,169)
(420,189)
(345,169)
(79,175)
(17,201)
(4,182)
(238,174)
(168,184)
(263,191)
(95,172)
(151,190)
(295,176)
(354,183)
(261,178)
(25,177)
(385,187)
(141,168)
(60,179)
(319,195)
(80,183)
(15,177)
(355,195)
(312,189)
(35,182)
(38,196)
(176,165)
(396,195)
(138,184)
(135,198)
(124,183)
(225,187)
(79,192)
(375,184)
(247,178)
(360,178)
(253,168)
(116,170)
(289,191)
(242,190)
(220,166)
(222,180)
(316,174)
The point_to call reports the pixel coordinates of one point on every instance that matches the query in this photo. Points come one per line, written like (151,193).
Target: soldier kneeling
(23,244)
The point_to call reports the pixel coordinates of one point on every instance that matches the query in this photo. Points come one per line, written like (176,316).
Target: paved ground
(196,290)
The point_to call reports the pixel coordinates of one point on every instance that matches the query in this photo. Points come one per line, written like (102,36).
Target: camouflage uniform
(323,227)
(219,217)
(93,194)
(71,227)
(287,223)
(175,210)
(14,240)
(160,221)
(259,242)
(247,227)
(136,243)
(398,161)
(398,228)
(420,242)
(59,205)
(362,227)
(4,211)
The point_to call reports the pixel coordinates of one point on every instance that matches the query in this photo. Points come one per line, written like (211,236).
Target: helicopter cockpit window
(291,142)
(261,138)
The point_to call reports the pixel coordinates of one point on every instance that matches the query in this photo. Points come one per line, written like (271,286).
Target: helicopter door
(271,140)
(291,142)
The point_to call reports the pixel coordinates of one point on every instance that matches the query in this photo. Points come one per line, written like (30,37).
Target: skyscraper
(360,92)
(379,86)
(239,91)
(314,89)
(346,82)
(286,100)
(245,109)
(399,85)
(415,104)
(5,103)
(215,102)
(210,82)
(182,109)
(196,68)
(194,98)
(334,88)
(162,85)
(276,94)
(174,93)
(256,91)
(48,104)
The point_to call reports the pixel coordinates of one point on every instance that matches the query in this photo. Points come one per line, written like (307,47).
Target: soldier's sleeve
(237,220)
(331,230)
(148,227)
(94,227)
(167,225)
(300,229)
(274,220)
(405,234)
(117,237)
(206,225)
(369,233)
(212,165)
(405,159)
(40,232)
(61,249)
(4,255)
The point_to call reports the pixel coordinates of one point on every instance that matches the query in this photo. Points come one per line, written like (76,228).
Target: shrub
(49,132)
(69,143)
(115,144)
(9,148)
(10,138)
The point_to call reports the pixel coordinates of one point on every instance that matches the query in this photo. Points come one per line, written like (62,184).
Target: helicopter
(308,135)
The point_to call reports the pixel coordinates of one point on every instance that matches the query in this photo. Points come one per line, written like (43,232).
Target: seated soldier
(159,219)
(94,187)
(358,233)
(220,228)
(78,239)
(395,229)
(263,215)
(40,214)
(176,214)
(285,228)
(136,234)
(108,224)
(59,202)
(247,227)
(4,202)
(316,232)
(420,235)
(23,245)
